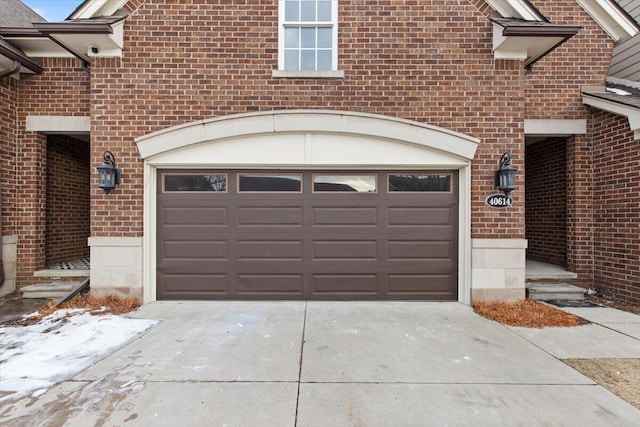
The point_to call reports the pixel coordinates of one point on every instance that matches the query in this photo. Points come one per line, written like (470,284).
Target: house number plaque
(498,201)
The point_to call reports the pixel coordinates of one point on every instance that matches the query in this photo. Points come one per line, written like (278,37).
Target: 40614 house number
(498,201)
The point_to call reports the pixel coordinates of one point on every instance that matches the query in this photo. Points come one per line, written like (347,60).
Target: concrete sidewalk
(340,364)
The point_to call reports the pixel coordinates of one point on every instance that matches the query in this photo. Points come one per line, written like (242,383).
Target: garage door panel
(194,216)
(263,284)
(403,216)
(412,283)
(185,282)
(345,249)
(282,216)
(195,249)
(344,283)
(420,249)
(195,266)
(268,266)
(275,250)
(434,232)
(344,216)
(423,266)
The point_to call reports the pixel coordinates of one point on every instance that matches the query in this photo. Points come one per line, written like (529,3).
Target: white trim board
(555,127)
(59,124)
(631,113)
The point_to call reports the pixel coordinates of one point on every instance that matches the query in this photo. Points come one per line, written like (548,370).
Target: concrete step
(55,274)
(554,291)
(53,290)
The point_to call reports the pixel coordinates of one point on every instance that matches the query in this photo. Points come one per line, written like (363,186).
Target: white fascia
(631,113)
(93,8)
(520,9)
(616,23)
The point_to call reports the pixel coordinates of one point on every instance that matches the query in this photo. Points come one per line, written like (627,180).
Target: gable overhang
(612,18)
(528,41)
(12,61)
(520,9)
(81,39)
(631,113)
(92,8)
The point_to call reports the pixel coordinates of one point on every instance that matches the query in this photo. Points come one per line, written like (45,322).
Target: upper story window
(308,35)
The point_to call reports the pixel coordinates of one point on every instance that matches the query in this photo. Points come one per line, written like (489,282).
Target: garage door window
(194,182)
(419,183)
(348,182)
(252,183)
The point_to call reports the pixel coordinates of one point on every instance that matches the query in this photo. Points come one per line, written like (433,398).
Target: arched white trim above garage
(163,146)
(307,139)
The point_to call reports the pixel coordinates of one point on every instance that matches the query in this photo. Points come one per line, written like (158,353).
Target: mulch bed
(111,304)
(527,314)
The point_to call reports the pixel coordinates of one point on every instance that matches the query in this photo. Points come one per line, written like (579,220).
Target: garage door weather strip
(304,328)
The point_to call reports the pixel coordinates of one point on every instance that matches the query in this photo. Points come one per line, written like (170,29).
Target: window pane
(292,10)
(324,37)
(419,183)
(195,183)
(324,60)
(308,38)
(291,60)
(291,37)
(274,183)
(308,11)
(308,60)
(338,183)
(324,11)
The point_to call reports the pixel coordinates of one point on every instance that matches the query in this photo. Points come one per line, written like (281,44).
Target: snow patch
(35,357)
(618,91)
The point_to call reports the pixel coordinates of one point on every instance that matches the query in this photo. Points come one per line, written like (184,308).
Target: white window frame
(282,24)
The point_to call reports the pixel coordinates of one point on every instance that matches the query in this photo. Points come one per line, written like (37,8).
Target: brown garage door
(307,235)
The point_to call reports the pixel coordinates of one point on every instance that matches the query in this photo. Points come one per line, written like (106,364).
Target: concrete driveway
(326,364)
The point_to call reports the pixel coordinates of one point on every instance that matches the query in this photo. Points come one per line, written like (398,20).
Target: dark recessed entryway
(357,235)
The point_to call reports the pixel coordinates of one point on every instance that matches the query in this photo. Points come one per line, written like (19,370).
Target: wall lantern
(108,173)
(505,177)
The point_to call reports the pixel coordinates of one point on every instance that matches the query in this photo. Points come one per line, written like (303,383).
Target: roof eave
(83,39)
(563,31)
(528,42)
(631,113)
(71,27)
(613,19)
(22,59)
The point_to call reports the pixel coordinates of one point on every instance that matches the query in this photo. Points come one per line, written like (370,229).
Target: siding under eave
(625,63)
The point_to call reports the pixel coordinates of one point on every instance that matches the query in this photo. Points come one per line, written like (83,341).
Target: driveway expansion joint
(304,328)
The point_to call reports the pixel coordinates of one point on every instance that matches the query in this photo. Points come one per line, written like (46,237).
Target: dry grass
(619,376)
(110,304)
(527,314)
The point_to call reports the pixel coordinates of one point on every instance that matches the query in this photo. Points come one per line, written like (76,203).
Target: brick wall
(8,129)
(61,90)
(616,195)
(67,221)
(553,86)
(546,210)
(426,61)
(429,61)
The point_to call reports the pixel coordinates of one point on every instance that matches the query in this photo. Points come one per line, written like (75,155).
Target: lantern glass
(108,177)
(506,179)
